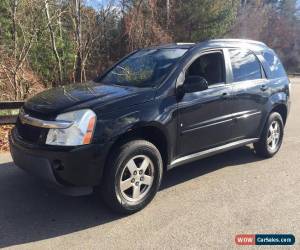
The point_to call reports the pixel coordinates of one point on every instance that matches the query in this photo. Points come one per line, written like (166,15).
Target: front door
(203,115)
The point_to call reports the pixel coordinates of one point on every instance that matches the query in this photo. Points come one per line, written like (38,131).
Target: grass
(9,112)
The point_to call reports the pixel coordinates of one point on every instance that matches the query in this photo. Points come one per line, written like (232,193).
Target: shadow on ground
(30,212)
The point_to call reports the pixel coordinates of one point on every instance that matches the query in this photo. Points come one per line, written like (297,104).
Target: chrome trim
(248,115)
(27,119)
(211,151)
(205,126)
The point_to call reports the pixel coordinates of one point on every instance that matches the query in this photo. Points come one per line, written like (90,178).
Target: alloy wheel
(273,137)
(137,178)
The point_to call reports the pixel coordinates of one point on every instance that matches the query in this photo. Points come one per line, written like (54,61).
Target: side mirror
(195,84)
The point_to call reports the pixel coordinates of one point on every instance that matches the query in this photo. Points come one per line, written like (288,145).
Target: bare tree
(53,41)
(76,18)
(23,35)
(92,21)
(142,27)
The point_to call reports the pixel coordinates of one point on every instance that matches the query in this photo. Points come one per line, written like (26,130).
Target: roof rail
(185,43)
(237,40)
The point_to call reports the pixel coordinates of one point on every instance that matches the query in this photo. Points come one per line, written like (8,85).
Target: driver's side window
(209,66)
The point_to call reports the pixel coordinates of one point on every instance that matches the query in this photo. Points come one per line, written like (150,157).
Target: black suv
(154,110)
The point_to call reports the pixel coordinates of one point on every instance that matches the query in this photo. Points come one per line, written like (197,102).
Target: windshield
(145,68)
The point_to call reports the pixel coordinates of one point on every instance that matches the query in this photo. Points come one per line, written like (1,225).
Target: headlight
(79,133)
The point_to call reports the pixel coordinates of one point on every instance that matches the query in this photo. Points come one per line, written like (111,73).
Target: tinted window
(210,66)
(245,65)
(145,68)
(275,65)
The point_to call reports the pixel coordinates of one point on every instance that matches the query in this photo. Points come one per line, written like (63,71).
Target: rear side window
(275,65)
(245,65)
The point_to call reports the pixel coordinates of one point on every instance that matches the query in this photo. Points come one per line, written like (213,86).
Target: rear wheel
(272,135)
(132,177)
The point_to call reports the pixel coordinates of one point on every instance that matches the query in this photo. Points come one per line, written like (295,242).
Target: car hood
(88,95)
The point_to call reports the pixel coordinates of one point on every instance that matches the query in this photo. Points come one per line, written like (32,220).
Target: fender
(134,120)
(275,100)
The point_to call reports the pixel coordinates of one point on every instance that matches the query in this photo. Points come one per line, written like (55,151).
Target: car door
(203,121)
(248,98)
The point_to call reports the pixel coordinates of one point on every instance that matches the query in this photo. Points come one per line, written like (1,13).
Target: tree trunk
(14,38)
(53,42)
(14,27)
(61,39)
(168,13)
(78,63)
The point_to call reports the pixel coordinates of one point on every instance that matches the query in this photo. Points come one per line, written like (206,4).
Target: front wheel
(132,177)
(271,138)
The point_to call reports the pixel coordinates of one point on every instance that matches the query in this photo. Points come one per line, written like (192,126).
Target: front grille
(30,133)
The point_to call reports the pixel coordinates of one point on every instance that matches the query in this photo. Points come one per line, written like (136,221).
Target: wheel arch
(152,132)
(277,102)
(282,110)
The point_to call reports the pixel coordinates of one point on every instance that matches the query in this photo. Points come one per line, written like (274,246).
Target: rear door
(247,82)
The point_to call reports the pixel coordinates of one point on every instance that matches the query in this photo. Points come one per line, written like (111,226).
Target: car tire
(271,137)
(132,176)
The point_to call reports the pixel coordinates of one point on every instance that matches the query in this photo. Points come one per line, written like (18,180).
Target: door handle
(225,95)
(263,87)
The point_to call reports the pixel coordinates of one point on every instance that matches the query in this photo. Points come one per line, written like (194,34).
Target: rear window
(275,65)
(245,65)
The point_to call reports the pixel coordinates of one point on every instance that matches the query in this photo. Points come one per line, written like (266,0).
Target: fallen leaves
(4,132)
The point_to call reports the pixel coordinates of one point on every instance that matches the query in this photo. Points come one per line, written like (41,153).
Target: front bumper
(61,167)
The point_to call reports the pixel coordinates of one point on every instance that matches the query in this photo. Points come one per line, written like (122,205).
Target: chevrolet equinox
(155,109)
